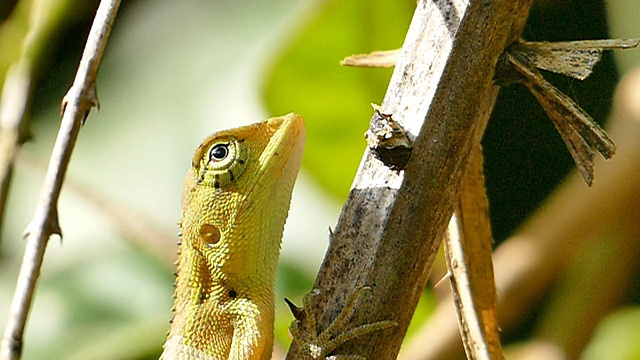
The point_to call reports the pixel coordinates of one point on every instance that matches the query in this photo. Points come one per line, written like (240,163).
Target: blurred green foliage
(334,100)
(617,337)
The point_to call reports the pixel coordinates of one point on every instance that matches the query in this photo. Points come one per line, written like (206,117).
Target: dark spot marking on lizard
(200,179)
(240,161)
(241,140)
(233,294)
(231,176)
(216,181)
(210,234)
(203,297)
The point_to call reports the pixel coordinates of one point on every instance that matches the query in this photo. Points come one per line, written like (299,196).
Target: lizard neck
(239,245)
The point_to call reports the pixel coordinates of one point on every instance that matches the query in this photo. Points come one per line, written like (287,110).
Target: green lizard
(235,201)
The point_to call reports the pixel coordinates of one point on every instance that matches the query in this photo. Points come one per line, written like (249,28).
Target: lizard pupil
(219,152)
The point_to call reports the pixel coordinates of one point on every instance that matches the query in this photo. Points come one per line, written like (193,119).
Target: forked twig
(76,105)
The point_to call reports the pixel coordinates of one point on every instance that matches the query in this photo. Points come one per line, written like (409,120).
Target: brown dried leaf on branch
(571,58)
(381,59)
(576,59)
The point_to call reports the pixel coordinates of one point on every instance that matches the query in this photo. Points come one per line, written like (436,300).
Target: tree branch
(76,105)
(442,94)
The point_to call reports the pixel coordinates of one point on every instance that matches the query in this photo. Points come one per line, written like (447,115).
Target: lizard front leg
(252,333)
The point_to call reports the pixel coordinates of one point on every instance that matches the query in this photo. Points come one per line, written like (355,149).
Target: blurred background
(174,72)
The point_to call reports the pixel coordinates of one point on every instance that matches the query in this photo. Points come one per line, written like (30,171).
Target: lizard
(235,201)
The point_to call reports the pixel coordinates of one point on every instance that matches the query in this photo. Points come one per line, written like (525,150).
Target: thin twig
(76,105)
(468,255)
(135,226)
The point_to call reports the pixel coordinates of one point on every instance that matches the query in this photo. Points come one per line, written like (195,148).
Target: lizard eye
(220,161)
(222,154)
(219,152)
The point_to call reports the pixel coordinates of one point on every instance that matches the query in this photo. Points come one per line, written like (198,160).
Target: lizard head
(230,164)
(223,159)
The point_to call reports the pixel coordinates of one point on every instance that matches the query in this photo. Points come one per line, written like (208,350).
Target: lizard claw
(298,312)
(320,345)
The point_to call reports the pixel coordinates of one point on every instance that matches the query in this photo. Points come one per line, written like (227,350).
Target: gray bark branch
(442,94)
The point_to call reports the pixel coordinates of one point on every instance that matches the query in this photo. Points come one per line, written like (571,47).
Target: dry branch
(43,19)
(468,255)
(529,262)
(442,94)
(78,101)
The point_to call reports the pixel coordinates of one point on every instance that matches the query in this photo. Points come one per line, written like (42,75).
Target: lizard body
(235,201)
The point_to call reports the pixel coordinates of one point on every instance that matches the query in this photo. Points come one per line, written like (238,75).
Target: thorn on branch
(52,226)
(330,234)
(86,102)
(444,277)
(298,312)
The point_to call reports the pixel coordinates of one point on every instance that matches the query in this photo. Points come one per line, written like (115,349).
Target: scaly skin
(234,206)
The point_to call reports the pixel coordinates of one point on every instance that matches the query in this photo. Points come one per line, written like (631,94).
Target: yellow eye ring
(223,163)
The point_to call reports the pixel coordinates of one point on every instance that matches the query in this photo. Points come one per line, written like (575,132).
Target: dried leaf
(571,58)
(577,128)
(387,58)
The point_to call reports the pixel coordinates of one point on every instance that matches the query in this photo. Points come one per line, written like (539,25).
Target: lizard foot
(320,345)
